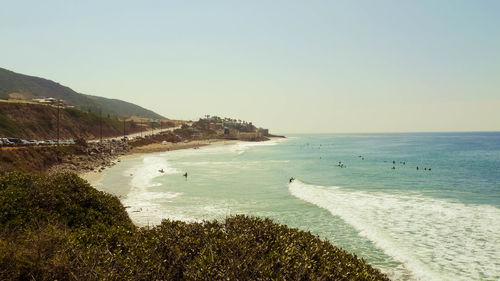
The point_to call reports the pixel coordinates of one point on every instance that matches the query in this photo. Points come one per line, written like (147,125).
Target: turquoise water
(442,224)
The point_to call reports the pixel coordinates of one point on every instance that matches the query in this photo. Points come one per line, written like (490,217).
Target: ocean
(440,222)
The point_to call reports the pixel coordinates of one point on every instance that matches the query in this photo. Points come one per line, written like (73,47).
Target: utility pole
(100,125)
(152,129)
(124,129)
(58,103)
(141,128)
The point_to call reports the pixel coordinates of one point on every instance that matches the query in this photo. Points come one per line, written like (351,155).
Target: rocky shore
(95,157)
(99,156)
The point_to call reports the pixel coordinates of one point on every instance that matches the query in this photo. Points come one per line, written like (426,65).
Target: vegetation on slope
(32,87)
(123,108)
(61,228)
(37,159)
(36,121)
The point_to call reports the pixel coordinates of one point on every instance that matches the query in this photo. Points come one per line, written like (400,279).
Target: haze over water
(412,224)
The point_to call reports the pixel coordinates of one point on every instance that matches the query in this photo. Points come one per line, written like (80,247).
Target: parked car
(7,142)
(66,142)
(15,141)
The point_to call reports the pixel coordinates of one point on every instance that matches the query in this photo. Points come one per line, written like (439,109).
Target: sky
(291,66)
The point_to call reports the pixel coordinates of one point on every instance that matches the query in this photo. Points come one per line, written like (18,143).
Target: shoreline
(96,175)
(169,146)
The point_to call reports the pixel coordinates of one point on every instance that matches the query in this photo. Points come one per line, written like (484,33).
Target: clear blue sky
(292,66)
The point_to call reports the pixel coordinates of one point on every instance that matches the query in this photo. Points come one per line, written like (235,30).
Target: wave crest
(435,239)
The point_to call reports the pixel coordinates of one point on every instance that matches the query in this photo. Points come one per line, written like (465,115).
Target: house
(49,101)
(264,132)
(219,126)
(250,136)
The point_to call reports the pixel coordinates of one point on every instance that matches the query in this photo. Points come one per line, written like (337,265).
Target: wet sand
(158,147)
(94,177)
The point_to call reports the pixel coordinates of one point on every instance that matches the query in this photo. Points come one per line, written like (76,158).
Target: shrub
(60,228)
(26,200)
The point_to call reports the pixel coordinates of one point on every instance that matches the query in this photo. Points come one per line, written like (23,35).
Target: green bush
(26,200)
(60,228)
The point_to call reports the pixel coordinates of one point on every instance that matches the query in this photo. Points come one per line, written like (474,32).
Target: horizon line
(395,132)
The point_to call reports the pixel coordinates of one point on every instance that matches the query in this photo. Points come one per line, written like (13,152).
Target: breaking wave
(435,239)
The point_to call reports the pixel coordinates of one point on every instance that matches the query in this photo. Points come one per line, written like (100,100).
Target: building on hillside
(49,101)
(264,132)
(250,136)
(195,133)
(46,100)
(215,126)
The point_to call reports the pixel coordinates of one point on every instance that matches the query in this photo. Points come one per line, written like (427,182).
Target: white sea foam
(241,147)
(220,149)
(435,239)
(145,206)
(148,207)
(149,169)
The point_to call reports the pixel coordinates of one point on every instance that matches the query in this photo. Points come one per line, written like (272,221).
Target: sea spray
(435,239)
(145,205)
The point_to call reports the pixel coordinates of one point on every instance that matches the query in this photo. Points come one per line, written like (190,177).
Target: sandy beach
(94,177)
(158,147)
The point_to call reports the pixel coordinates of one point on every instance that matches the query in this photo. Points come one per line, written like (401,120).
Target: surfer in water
(185,175)
(291,180)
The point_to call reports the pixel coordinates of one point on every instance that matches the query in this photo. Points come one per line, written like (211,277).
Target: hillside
(27,87)
(36,121)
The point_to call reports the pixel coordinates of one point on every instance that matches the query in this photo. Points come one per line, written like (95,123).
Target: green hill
(27,87)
